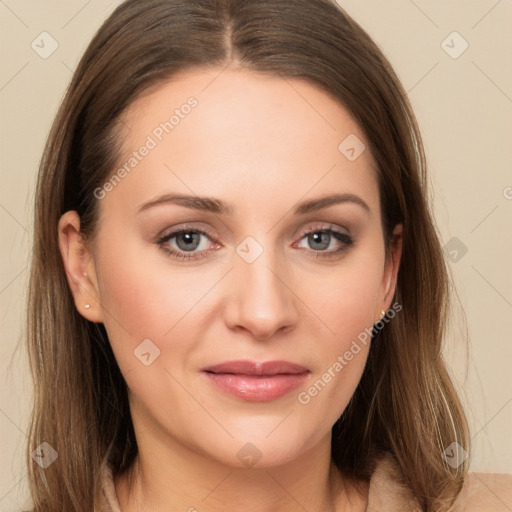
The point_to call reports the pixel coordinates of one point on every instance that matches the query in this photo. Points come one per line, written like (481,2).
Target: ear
(391,268)
(79,266)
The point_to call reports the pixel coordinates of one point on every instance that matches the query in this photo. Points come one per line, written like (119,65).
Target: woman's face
(267,269)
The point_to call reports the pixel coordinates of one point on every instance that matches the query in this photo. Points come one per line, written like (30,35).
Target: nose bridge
(263,302)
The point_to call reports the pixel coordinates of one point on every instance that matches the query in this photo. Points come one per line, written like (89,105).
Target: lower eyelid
(165,241)
(342,237)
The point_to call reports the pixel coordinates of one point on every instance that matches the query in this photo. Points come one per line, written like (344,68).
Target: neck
(174,477)
(171,474)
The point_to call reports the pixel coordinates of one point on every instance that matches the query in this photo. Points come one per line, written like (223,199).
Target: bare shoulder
(485,492)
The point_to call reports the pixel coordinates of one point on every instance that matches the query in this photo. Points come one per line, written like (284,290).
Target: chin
(258,449)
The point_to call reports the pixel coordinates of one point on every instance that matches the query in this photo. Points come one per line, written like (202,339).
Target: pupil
(192,241)
(320,237)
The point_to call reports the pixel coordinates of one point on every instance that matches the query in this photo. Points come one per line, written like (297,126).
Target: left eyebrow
(323,202)
(216,206)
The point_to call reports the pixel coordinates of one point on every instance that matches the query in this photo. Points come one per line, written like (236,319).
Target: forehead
(243,134)
(252,104)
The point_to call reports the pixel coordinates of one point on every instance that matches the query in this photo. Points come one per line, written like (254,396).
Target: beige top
(483,492)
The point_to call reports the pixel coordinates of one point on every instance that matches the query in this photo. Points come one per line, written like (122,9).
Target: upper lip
(257,368)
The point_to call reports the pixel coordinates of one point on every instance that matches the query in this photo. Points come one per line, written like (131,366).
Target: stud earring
(87,306)
(382,315)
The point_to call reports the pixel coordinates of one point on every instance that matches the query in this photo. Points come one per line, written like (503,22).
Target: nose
(262,301)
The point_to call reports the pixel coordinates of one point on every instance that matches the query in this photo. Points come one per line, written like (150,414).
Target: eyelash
(342,237)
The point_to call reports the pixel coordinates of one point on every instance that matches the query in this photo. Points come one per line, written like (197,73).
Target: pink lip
(257,382)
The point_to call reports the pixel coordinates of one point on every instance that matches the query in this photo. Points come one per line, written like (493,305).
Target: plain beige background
(463,101)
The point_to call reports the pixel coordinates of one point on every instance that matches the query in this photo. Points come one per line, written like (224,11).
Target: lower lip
(257,388)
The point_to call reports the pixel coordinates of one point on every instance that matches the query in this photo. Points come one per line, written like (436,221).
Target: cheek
(346,299)
(347,310)
(153,329)
(346,307)
(140,303)
(330,391)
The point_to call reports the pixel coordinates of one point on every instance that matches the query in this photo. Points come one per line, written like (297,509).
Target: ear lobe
(393,264)
(79,266)
(388,285)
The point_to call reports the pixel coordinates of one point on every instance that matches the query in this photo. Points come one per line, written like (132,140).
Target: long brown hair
(405,403)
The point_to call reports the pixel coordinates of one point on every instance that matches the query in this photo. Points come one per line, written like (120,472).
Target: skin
(261,144)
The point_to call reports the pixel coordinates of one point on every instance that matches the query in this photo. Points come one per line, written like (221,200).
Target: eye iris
(192,240)
(319,237)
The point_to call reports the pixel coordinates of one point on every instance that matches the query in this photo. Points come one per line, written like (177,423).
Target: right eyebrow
(208,204)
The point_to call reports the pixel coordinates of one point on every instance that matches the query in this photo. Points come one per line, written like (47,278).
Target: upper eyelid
(302,233)
(330,227)
(176,231)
